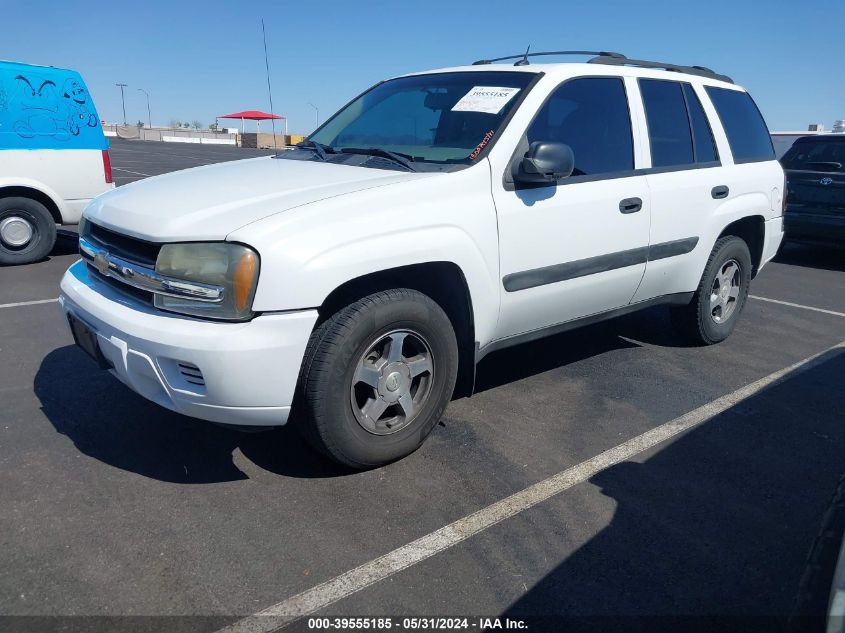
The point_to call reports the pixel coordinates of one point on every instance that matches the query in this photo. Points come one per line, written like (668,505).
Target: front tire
(376,378)
(712,314)
(27,231)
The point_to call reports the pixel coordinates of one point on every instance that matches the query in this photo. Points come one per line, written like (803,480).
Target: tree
(197,125)
(140,123)
(175,123)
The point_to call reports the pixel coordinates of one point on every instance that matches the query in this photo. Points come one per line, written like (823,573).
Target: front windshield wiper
(320,149)
(405,160)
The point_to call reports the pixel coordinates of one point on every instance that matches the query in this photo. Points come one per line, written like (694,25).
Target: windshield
(445,118)
(816,155)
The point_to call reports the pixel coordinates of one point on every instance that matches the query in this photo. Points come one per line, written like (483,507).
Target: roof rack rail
(523,57)
(612,59)
(700,71)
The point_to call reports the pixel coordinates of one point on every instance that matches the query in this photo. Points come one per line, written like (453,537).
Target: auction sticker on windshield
(489,99)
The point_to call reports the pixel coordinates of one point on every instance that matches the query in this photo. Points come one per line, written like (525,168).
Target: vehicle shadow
(67,243)
(651,326)
(710,532)
(112,424)
(812,256)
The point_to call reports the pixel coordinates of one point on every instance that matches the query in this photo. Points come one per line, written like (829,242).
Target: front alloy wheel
(376,378)
(393,382)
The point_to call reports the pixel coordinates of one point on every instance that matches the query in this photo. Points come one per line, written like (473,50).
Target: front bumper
(248,371)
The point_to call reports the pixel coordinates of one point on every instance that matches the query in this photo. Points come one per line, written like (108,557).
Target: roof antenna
(269,92)
(524,60)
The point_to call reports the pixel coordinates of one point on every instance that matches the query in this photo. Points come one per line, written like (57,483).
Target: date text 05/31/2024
(414,624)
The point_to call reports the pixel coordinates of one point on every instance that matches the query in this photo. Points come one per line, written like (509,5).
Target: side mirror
(546,163)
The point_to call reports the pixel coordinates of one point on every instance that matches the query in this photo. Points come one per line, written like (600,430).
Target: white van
(53,157)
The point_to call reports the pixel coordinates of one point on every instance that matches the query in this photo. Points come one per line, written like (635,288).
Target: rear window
(747,133)
(816,155)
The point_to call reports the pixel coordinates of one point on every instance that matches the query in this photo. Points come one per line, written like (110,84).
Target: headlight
(232,268)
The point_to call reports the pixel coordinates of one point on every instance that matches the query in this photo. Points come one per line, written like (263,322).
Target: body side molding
(599,264)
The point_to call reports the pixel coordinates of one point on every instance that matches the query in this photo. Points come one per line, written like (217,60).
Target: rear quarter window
(745,128)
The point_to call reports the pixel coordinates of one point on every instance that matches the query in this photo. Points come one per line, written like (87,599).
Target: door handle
(630,205)
(721,191)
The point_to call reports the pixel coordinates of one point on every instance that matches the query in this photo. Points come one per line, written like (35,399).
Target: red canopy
(252,115)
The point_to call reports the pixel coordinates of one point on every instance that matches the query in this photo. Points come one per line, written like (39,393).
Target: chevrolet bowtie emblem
(101,262)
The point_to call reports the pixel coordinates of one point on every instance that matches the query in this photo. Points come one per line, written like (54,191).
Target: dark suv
(815,200)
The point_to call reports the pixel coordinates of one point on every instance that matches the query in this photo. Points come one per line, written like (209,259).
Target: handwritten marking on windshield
(481,145)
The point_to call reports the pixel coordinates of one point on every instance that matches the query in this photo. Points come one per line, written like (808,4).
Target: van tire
(696,322)
(32,216)
(331,401)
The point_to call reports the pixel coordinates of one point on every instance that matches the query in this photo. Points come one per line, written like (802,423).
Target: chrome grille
(120,271)
(129,248)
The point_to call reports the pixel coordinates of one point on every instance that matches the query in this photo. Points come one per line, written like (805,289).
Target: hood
(208,203)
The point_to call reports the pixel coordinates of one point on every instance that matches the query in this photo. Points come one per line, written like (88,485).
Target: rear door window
(591,116)
(747,133)
(668,124)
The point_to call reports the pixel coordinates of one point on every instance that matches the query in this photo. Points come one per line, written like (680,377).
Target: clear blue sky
(201,59)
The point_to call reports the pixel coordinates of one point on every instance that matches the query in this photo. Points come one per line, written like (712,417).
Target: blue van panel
(46,108)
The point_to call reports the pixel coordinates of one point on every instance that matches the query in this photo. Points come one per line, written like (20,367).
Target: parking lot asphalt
(136,160)
(112,506)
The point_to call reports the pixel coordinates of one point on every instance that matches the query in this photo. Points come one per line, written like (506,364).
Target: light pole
(316,113)
(149,118)
(122,86)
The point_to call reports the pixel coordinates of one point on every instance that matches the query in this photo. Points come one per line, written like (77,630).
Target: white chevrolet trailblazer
(352,284)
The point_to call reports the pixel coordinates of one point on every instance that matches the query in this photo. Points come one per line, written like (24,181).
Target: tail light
(785,195)
(107,166)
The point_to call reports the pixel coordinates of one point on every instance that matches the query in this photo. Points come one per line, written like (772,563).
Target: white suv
(352,284)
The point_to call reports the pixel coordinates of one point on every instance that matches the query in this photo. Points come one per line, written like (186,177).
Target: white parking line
(27,303)
(129,171)
(312,600)
(798,305)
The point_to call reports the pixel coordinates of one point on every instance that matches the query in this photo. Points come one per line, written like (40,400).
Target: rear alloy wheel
(376,378)
(725,291)
(715,308)
(27,231)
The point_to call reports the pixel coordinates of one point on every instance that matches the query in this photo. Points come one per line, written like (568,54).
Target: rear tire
(712,314)
(376,378)
(27,231)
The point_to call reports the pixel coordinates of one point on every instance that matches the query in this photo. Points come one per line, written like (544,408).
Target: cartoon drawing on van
(79,114)
(46,111)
